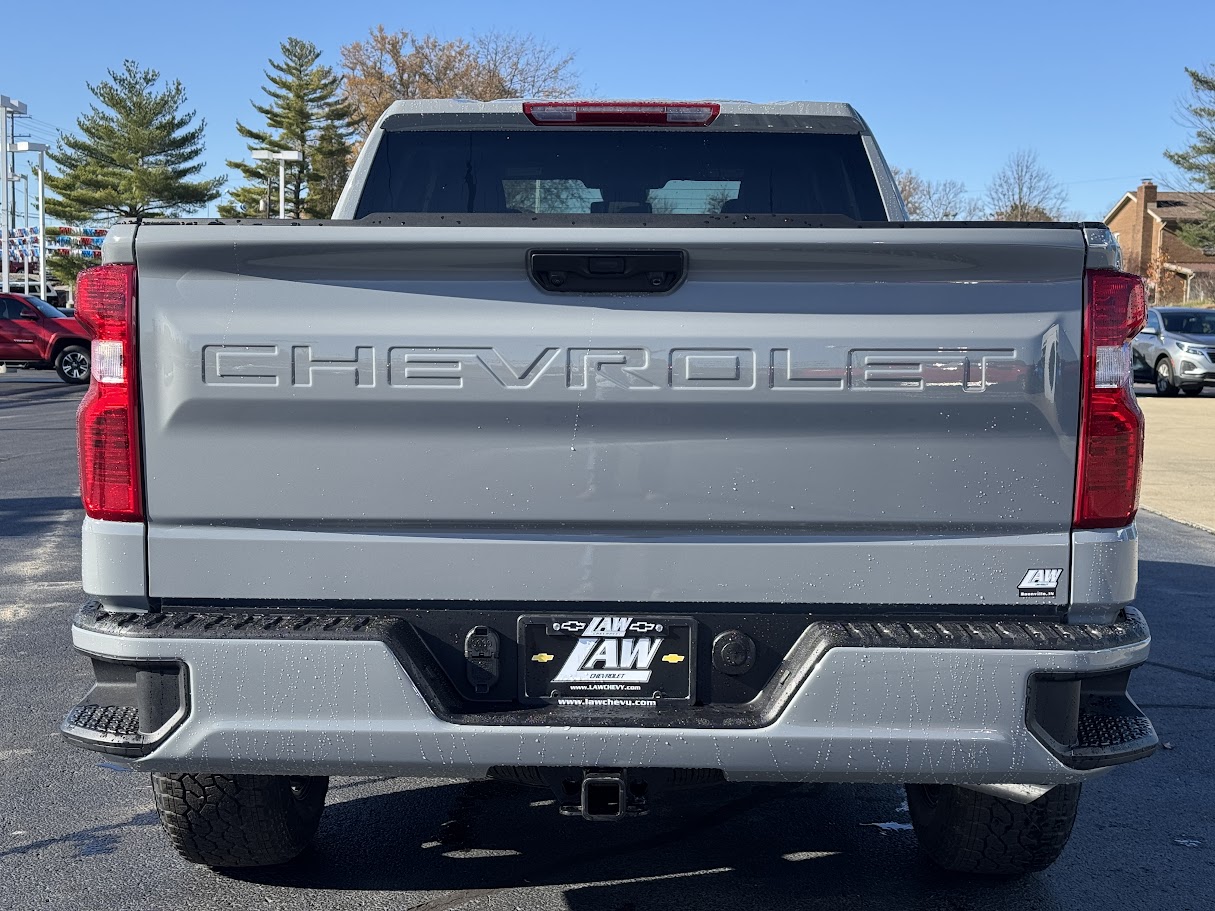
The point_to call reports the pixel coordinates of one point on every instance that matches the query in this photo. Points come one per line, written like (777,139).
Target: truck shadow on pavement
(26,390)
(22,516)
(1175,598)
(92,842)
(733,845)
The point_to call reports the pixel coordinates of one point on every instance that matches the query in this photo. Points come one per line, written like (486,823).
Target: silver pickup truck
(609,448)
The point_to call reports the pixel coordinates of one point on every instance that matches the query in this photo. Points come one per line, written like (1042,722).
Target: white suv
(1176,350)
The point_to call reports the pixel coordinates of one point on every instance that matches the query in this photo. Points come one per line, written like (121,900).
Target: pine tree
(304,114)
(1197,160)
(135,154)
(66,269)
(330,168)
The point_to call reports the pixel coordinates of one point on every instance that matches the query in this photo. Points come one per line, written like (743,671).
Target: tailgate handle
(607,271)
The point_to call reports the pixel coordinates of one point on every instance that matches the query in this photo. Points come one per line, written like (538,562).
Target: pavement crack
(1169,705)
(1209,678)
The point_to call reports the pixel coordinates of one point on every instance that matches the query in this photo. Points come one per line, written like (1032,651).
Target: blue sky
(950,89)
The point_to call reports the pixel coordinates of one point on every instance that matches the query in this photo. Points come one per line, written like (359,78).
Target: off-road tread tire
(238,820)
(969,832)
(62,353)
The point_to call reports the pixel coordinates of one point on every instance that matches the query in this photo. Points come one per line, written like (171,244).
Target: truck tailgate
(819,416)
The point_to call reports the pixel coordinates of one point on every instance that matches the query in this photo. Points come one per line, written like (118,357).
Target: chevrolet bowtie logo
(672,659)
(543,657)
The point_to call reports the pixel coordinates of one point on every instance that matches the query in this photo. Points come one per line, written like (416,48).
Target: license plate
(607,661)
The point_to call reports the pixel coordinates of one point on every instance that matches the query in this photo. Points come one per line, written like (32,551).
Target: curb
(1178,520)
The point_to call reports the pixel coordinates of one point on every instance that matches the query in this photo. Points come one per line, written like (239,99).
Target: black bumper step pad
(116,720)
(105,728)
(1111,727)
(1098,730)
(1088,720)
(133,705)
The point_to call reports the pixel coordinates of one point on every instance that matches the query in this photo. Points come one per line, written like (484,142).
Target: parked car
(544,462)
(35,334)
(1176,350)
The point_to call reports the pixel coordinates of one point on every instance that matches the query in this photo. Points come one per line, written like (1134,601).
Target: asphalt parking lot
(1178,480)
(79,832)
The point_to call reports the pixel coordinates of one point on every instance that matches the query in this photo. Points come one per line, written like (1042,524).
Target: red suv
(34,333)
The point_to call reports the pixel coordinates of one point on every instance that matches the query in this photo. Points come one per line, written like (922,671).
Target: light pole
(25,248)
(282,158)
(7,106)
(41,148)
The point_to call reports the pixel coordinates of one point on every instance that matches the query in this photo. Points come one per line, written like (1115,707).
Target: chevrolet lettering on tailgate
(447,368)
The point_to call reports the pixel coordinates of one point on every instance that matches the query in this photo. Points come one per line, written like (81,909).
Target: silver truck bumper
(873,714)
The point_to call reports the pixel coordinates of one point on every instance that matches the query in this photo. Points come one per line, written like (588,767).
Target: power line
(36,125)
(41,127)
(1072,183)
(41,137)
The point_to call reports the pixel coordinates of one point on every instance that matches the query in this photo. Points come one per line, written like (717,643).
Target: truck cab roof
(822,116)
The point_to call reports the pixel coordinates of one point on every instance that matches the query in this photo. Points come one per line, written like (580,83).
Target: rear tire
(239,820)
(1166,383)
(72,364)
(1192,390)
(969,832)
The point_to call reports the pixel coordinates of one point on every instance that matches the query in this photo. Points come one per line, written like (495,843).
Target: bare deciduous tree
(1023,190)
(516,65)
(388,66)
(935,200)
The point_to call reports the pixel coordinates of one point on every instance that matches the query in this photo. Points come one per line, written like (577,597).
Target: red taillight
(1110,449)
(622,113)
(107,423)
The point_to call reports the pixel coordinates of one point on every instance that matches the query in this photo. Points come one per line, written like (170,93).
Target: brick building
(1146,222)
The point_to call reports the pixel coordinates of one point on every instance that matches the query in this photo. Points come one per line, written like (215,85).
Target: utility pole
(25,245)
(7,106)
(28,247)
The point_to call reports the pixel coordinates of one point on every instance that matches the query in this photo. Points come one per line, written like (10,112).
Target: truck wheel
(1166,384)
(239,820)
(969,832)
(1192,390)
(72,364)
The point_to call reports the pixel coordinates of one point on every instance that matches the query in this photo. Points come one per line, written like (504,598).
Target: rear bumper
(976,702)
